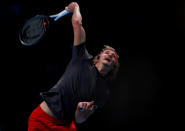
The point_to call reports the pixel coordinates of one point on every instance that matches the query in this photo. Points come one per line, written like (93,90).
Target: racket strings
(33,30)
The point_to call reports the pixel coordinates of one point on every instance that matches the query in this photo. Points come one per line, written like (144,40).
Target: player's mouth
(108,59)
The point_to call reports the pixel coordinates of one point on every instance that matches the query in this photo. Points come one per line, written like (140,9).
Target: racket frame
(46,18)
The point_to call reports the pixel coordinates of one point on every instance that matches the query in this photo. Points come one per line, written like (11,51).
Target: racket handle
(60,15)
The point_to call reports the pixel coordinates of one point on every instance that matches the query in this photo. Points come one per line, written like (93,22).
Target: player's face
(108,58)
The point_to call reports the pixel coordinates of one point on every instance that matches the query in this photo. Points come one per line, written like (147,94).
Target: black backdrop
(147,36)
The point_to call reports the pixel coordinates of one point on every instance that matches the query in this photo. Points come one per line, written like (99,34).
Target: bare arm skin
(79,32)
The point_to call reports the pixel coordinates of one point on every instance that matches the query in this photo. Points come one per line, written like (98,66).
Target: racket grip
(60,15)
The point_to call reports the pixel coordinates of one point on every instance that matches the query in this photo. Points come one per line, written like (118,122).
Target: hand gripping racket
(34,29)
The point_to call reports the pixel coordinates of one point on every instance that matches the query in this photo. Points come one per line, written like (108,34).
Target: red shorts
(41,121)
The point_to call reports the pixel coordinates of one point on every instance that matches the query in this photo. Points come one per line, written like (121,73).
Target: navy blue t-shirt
(81,82)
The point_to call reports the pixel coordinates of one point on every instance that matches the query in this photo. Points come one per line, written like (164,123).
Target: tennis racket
(35,28)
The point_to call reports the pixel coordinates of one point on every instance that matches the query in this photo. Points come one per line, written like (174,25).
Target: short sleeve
(80,50)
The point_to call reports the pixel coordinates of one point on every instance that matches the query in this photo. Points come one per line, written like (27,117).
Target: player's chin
(108,64)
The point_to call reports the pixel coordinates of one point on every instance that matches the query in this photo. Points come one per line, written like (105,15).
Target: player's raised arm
(79,32)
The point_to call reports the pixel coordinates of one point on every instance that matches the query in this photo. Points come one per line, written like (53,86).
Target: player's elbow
(77,23)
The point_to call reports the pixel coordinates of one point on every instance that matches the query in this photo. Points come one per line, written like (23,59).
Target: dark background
(147,35)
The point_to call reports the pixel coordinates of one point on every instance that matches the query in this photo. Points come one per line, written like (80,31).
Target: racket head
(33,30)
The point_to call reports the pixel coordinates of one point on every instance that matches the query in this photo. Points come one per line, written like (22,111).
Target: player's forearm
(76,18)
(79,32)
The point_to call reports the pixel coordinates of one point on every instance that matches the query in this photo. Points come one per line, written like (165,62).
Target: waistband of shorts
(47,117)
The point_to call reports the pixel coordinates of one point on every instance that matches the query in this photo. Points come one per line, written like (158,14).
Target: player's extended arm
(83,111)
(79,32)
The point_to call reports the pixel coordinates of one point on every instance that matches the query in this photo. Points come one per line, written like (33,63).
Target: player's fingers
(84,105)
(91,107)
(91,103)
(66,8)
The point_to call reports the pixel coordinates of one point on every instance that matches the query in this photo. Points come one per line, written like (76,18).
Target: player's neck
(102,69)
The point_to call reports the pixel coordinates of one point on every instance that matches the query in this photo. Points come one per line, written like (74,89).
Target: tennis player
(81,90)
